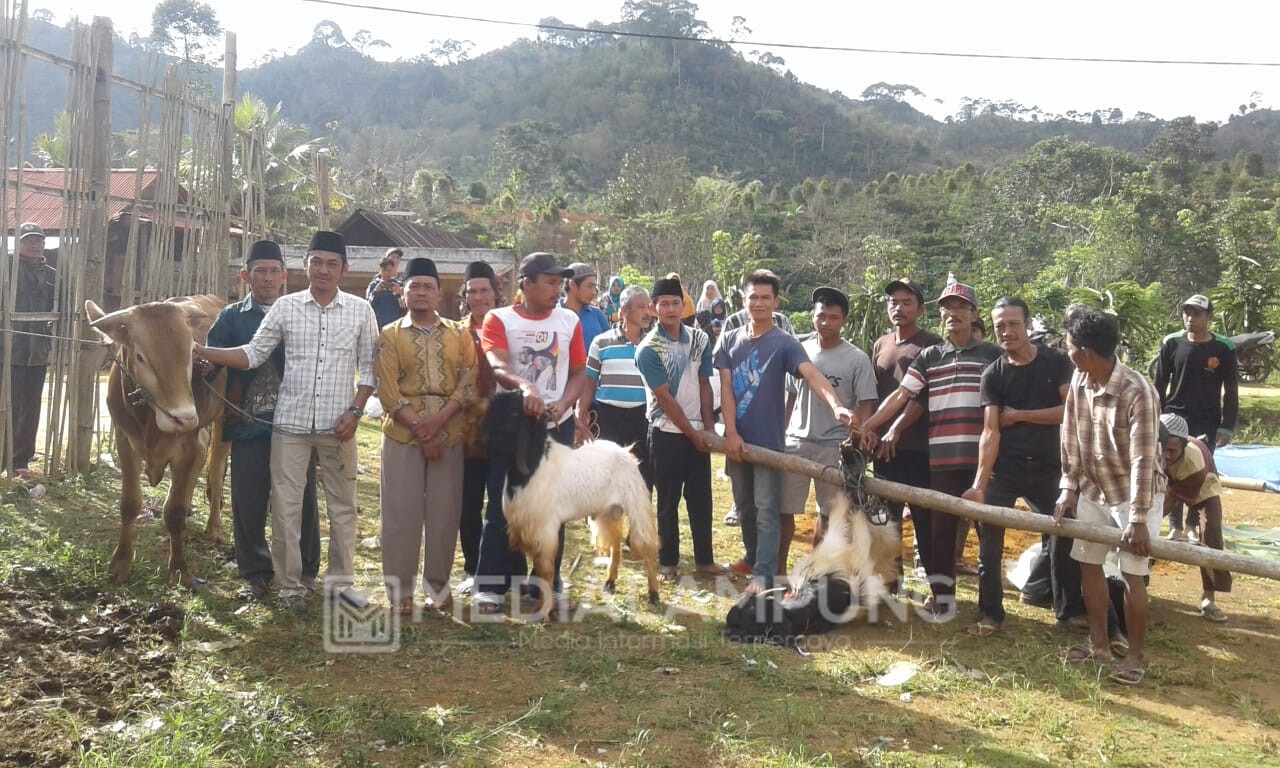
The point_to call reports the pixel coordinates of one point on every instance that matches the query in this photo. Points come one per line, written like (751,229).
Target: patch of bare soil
(75,655)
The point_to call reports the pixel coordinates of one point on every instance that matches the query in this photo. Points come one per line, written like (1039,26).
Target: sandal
(404,607)
(1119,646)
(1080,654)
(983,628)
(712,569)
(667,573)
(1130,676)
(731,517)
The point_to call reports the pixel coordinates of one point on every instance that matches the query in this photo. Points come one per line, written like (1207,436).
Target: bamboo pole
(1009,518)
(1243,484)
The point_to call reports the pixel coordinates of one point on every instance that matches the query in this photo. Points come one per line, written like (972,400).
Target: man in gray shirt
(813,432)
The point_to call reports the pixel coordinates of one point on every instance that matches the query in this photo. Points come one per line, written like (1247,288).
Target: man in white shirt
(329,338)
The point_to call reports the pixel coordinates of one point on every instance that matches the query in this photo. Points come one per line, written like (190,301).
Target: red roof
(43,190)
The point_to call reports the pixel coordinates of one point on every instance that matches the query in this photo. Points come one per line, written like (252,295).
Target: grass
(657,688)
(1259,417)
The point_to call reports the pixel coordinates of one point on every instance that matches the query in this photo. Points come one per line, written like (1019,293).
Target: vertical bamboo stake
(93,227)
(322,188)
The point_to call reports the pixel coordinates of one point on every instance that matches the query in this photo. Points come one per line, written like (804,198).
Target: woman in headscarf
(710,292)
(611,306)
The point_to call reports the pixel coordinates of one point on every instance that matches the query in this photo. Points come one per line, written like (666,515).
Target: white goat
(853,549)
(549,484)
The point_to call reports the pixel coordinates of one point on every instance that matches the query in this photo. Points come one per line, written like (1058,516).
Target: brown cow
(158,413)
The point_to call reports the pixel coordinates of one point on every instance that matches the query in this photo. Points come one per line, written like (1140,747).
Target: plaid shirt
(1109,450)
(324,349)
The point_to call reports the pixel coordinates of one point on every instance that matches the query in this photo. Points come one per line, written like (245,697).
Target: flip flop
(1130,676)
(731,517)
(983,628)
(404,608)
(714,569)
(1082,654)
(667,573)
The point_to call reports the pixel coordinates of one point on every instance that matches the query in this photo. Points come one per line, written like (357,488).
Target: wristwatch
(359,412)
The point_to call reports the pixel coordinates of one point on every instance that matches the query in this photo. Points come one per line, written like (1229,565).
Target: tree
(184,26)
(363,40)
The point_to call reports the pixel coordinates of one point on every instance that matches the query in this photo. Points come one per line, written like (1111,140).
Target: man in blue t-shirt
(580,293)
(754,361)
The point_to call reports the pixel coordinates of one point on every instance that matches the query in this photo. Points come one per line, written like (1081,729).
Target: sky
(1182,30)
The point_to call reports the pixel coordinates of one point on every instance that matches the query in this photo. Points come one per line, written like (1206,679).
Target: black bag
(773,618)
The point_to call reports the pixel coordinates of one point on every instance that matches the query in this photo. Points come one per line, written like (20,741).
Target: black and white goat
(549,484)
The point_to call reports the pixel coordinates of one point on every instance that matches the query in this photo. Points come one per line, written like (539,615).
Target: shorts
(1114,516)
(795,488)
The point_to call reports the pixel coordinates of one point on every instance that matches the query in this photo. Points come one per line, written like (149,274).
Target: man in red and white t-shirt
(535,348)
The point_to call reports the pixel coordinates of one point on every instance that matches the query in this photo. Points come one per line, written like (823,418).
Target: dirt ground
(85,669)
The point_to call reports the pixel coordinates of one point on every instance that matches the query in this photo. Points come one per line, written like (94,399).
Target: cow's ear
(114,325)
(197,318)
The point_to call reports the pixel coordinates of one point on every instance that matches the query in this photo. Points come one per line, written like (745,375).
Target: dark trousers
(475,478)
(681,469)
(936,532)
(1054,574)
(1197,428)
(498,565)
(627,427)
(250,494)
(1209,514)
(908,468)
(26,388)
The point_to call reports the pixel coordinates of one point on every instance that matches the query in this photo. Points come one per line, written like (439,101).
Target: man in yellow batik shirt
(426,368)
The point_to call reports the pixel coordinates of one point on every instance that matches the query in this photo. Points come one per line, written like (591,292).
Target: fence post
(93,228)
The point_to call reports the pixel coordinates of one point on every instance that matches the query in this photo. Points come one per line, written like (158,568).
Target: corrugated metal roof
(43,190)
(406,233)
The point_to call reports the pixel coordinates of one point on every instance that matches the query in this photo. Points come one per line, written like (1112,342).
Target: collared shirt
(35,294)
(478,406)
(256,390)
(1109,446)
(611,363)
(593,321)
(324,349)
(680,364)
(426,369)
(952,377)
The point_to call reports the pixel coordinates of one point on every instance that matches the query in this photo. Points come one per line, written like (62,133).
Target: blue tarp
(1255,462)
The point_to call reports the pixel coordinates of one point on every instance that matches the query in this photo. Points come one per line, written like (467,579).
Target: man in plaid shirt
(1111,476)
(328,337)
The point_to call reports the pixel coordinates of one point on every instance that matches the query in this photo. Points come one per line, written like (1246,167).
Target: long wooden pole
(1010,518)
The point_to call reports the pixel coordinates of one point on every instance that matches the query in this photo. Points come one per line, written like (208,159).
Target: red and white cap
(961,290)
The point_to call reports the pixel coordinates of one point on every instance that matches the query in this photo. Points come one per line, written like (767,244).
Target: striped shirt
(611,363)
(952,378)
(325,350)
(1120,462)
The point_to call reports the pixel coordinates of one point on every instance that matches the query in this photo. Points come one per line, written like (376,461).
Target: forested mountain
(567,107)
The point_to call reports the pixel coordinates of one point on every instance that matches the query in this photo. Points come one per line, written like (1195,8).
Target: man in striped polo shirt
(613,397)
(950,374)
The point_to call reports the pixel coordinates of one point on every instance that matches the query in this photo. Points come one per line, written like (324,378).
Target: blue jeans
(498,564)
(757,493)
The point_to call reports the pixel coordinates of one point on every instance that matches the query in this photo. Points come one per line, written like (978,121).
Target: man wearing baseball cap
(580,293)
(535,348)
(950,374)
(1196,379)
(29,357)
(813,433)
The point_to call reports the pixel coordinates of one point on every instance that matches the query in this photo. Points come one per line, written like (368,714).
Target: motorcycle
(1253,357)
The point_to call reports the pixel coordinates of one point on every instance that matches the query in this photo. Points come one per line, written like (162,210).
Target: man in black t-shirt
(1196,379)
(1018,457)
